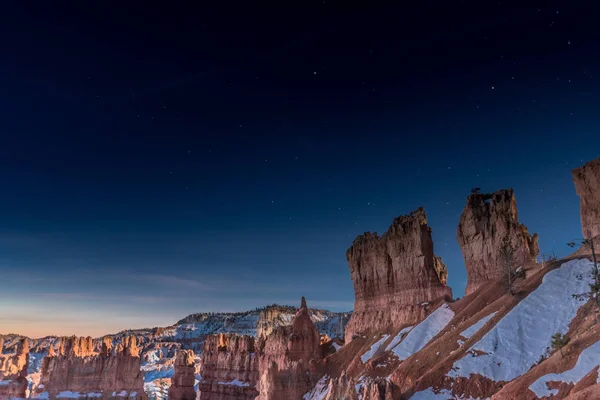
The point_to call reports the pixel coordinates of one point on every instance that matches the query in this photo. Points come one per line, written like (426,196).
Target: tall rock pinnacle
(587,186)
(487,221)
(393,274)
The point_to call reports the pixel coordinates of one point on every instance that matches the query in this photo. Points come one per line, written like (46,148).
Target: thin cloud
(174,281)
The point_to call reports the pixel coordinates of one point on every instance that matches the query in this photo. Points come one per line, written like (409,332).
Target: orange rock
(228,368)
(587,186)
(287,357)
(183,380)
(393,275)
(13,370)
(486,221)
(77,368)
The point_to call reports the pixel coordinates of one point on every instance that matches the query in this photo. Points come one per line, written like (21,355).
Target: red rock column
(183,380)
(485,223)
(394,274)
(587,186)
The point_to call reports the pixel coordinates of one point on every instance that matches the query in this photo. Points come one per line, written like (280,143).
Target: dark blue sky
(159,161)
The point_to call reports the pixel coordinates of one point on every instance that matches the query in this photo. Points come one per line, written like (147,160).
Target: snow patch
(320,391)
(467,333)
(518,340)
(374,348)
(418,337)
(234,382)
(67,394)
(587,361)
(443,394)
(398,338)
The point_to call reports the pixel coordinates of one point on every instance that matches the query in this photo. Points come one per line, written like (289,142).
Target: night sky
(158,161)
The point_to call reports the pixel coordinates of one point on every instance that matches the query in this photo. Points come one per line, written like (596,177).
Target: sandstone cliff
(394,274)
(76,368)
(184,378)
(13,371)
(487,221)
(229,370)
(287,359)
(587,186)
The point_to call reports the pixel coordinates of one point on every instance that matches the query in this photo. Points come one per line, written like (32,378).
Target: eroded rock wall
(76,368)
(587,186)
(394,274)
(229,370)
(13,371)
(486,223)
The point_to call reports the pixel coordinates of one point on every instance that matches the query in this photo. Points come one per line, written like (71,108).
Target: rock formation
(287,359)
(13,371)
(78,369)
(486,223)
(184,378)
(394,274)
(587,186)
(272,317)
(229,371)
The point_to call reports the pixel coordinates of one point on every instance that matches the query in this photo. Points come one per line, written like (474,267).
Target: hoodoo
(287,359)
(13,372)
(394,275)
(487,222)
(587,186)
(184,378)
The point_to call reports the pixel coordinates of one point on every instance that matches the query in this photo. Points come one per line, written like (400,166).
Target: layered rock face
(287,359)
(76,367)
(272,317)
(486,223)
(229,370)
(183,380)
(13,372)
(587,186)
(394,274)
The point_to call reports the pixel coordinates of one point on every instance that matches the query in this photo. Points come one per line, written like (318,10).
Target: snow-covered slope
(487,342)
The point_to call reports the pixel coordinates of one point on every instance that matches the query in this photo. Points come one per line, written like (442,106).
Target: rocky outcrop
(394,274)
(13,371)
(272,317)
(287,359)
(229,371)
(75,367)
(184,378)
(587,186)
(487,222)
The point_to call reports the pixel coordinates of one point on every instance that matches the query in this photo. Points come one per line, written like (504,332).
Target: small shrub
(559,341)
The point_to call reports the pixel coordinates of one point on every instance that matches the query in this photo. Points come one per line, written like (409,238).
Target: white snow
(470,331)
(444,394)
(398,338)
(320,391)
(336,346)
(418,337)
(5,383)
(67,394)
(374,348)
(587,361)
(43,395)
(519,339)
(235,382)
